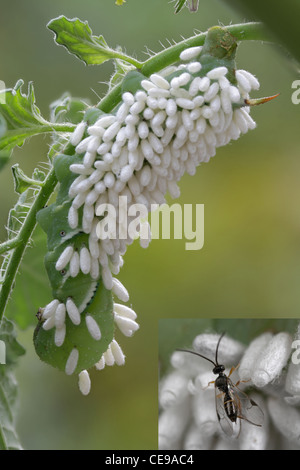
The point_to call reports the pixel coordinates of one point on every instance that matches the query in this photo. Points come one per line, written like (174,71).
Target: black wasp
(232,404)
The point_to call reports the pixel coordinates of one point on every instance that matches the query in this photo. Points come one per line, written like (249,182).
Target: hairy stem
(126,58)
(9,245)
(170,55)
(15,137)
(23,237)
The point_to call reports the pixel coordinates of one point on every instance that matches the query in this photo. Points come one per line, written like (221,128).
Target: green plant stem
(14,137)
(9,245)
(242,32)
(126,58)
(23,237)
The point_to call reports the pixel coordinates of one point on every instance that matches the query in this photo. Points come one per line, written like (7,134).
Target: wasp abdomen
(230,408)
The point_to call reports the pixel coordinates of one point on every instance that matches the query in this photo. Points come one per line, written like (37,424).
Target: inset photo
(229,384)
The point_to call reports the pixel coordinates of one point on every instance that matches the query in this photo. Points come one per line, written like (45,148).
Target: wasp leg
(241,382)
(209,383)
(233,369)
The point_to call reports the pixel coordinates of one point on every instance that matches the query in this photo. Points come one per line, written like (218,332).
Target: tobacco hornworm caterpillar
(165,125)
(80,298)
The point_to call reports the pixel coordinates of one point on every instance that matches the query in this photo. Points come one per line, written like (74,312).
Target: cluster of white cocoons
(54,316)
(139,153)
(268,373)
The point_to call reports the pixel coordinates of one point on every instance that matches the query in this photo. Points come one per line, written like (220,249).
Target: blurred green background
(250,263)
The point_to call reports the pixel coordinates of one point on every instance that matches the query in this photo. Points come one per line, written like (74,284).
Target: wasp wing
(249,410)
(229,427)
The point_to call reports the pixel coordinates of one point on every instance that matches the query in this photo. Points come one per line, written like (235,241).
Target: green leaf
(20,115)
(20,118)
(77,37)
(23,182)
(8,335)
(68,109)
(191,4)
(179,5)
(18,213)
(8,388)
(8,391)
(19,109)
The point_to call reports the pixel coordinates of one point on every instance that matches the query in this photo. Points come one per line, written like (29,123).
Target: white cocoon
(84,382)
(272,359)
(93,327)
(229,353)
(172,423)
(252,353)
(173,389)
(72,362)
(286,419)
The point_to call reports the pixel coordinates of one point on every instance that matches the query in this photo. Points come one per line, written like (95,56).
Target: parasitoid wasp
(232,404)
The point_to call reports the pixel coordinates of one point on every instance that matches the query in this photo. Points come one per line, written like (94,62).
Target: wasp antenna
(217,348)
(197,354)
(257,101)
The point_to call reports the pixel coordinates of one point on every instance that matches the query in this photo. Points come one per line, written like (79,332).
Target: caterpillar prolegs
(166,125)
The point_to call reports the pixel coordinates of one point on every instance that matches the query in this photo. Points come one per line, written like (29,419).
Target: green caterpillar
(77,328)
(166,125)
(91,298)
